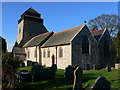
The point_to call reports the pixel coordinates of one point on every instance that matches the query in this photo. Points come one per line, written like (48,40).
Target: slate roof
(62,37)
(38,40)
(31,10)
(97,33)
(18,50)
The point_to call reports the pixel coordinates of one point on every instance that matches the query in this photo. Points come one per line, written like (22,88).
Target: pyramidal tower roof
(31,10)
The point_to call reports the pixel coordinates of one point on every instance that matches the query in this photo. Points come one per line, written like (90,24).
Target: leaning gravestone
(101,83)
(69,74)
(78,73)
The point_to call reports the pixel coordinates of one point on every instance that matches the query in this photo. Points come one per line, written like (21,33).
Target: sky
(58,16)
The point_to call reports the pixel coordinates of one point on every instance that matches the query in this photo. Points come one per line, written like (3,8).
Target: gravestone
(23,64)
(96,67)
(29,63)
(36,71)
(108,67)
(34,63)
(87,66)
(49,73)
(101,83)
(46,74)
(76,66)
(23,76)
(69,74)
(53,70)
(78,73)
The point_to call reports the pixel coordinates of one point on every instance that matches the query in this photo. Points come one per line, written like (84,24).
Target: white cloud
(9,47)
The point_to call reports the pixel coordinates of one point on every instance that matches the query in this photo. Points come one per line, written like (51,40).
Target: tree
(9,68)
(118,46)
(109,22)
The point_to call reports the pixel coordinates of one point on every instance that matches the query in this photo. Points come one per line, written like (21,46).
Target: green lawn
(88,79)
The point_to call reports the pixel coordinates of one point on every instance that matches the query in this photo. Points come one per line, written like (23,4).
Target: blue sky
(58,16)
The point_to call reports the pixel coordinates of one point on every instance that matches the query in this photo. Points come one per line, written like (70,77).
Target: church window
(35,52)
(85,45)
(106,48)
(48,53)
(28,54)
(44,53)
(60,52)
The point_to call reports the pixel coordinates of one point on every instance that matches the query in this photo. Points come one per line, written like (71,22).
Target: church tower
(29,25)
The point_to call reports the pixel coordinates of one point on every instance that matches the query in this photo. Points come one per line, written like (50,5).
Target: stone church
(74,46)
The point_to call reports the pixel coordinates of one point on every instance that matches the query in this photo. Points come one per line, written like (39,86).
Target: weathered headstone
(76,66)
(49,73)
(29,63)
(69,74)
(23,76)
(78,73)
(23,64)
(87,66)
(34,63)
(96,67)
(101,83)
(36,72)
(53,70)
(108,67)
(46,74)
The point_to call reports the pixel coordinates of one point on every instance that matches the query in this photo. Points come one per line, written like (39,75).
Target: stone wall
(20,31)
(32,56)
(111,59)
(61,62)
(29,27)
(84,59)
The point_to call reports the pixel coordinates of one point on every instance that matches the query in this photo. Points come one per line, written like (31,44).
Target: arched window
(44,53)
(35,52)
(106,48)
(28,53)
(60,52)
(48,53)
(85,45)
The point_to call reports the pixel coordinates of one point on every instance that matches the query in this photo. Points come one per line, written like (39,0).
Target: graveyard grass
(88,79)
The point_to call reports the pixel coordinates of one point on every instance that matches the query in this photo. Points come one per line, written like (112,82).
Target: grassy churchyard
(89,77)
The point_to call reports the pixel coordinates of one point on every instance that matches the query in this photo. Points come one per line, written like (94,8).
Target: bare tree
(105,21)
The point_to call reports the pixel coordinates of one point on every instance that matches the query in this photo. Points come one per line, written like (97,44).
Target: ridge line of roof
(42,34)
(69,29)
(99,30)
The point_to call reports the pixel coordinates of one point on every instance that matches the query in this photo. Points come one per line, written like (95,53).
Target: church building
(74,46)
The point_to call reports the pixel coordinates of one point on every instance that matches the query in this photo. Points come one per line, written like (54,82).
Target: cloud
(9,47)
